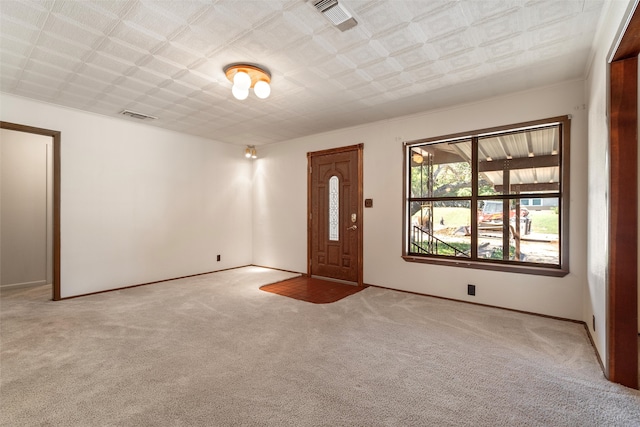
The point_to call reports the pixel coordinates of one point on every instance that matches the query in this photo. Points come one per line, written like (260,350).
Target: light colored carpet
(214,350)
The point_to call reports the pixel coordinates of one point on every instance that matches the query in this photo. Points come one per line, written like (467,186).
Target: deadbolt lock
(354,217)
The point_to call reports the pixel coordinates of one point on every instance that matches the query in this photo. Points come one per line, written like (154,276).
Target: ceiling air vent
(335,13)
(138,116)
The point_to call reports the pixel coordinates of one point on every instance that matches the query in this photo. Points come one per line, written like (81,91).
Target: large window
(494,198)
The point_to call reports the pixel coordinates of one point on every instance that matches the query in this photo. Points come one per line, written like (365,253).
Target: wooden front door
(335,213)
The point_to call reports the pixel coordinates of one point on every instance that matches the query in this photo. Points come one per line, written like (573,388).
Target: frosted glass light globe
(239,93)
(262,89)
(242,80)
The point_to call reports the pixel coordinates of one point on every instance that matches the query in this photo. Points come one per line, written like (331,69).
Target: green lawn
(544,222)
(452,216)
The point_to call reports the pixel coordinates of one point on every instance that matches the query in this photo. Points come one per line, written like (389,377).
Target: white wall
(598,179)
(25,209)
(280,203)
(141,204)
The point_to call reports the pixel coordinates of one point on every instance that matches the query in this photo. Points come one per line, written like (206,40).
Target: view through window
(495,197)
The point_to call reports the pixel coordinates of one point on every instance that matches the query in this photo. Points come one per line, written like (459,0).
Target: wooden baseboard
(25,284)
(150,283)
(595,349)
(279,269)
(564,319)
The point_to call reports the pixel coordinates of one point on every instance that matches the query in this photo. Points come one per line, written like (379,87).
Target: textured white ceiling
(165,58)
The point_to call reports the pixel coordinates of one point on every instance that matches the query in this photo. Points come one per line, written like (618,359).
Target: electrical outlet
(471,290)
(218,258)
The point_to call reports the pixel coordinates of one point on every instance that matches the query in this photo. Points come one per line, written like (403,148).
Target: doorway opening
(54,245)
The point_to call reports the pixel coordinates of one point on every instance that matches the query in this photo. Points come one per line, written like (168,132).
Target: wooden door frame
(360,149)
(55,135)
(622,278)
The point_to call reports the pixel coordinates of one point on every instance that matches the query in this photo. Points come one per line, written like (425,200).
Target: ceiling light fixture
(245,77)
(250,152)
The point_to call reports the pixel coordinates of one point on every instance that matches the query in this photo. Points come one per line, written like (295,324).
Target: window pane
(535,240)
(490,229)
(511,217)
(441,228)
(519,162)
(334,208)
(420,184)
(441,170)
(542,244)
(420,214)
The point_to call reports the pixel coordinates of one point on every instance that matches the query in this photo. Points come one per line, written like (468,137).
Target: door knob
(353,227)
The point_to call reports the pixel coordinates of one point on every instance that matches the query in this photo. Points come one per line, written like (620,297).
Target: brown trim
(564,319)
(335,150)
(360,149)
(495,265)
(406,185)
(593,344)
(360,214)
(475,177)
(158,281)
(56,136)
(623,226)
(562,159)
(309,210)
(565,193)
(630,44)
(273,268)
